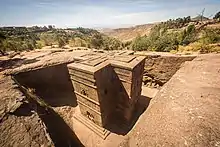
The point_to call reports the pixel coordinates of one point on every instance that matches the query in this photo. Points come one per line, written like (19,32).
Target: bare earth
(19,124)
(127,34)
(186,110)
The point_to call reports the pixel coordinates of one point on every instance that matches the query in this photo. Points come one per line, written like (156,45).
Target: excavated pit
(60,133)
(53,86)
(160,68)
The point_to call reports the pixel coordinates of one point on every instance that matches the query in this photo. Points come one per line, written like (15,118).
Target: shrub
(47,39)
(210,48)
(188,35)
(61,42)
(160,39)
(39,46)
(210,35)
(141,43)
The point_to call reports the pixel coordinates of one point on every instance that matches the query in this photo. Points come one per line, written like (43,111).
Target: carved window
(90,116)
(83,92)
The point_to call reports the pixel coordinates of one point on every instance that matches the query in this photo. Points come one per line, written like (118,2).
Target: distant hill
(128,34)
(29,38)
(171,35)
(199,18)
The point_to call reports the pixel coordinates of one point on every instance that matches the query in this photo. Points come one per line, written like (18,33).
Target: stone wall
(159,69)
(52,84)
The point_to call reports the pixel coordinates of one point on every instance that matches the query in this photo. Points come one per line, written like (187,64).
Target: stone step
(102,132)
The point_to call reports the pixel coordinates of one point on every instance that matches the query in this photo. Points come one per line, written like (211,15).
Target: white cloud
(110,17)
(72,13)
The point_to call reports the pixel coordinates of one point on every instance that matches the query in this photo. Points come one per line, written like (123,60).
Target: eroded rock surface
(23,130)
(160,68)
(20,125)
(185,112)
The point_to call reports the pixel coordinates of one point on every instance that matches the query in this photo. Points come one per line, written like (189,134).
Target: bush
(210,35)
(210,49)
(61,42)
(141,43)
(37,37)
(97,41)
(188,35)
(173,51)
(160,39)
(200,47)
(47,39)
(39,45)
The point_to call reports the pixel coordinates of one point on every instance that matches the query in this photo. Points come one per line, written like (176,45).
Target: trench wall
(52,84)
(159,69)
(54,87)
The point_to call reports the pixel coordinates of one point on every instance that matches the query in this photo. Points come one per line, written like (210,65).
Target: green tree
(210,35)
(141,43)
(2,38)
(61,41)
(11,45)
(47,39)
(97,41)
(188,35)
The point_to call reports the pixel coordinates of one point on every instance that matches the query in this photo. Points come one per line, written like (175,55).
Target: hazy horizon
(99,14)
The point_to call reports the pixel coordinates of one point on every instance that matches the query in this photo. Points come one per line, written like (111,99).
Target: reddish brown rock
(185,112)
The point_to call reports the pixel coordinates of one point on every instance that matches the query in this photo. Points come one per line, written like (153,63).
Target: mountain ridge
(128,33)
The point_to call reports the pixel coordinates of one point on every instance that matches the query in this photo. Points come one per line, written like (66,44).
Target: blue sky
(99,13)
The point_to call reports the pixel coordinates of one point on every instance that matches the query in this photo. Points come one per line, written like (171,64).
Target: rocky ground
(160,67)
(183,112)
(24,122)
(20,124)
